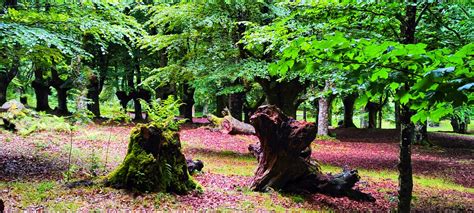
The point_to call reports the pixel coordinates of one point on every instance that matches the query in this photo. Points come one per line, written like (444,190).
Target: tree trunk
(7,77)
(459,125)
(221,104)
(284,158)
(348,102)
(379,123)
(3,88)
(93,92)
(407,33)
(42,90)
(397,115)
(61,87)
(404,167)
(10,3)
(323,121)
(124,98)
(372,108)
(186,109)
(236,102)
(283,94)
(421,134)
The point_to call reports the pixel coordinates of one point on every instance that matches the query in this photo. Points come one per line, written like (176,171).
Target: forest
(236,105)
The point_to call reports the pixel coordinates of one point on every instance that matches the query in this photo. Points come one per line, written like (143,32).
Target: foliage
(163,113)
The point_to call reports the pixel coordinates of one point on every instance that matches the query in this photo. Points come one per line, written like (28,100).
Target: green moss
(154,163)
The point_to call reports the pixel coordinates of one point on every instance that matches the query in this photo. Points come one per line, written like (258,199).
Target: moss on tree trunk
(154,163)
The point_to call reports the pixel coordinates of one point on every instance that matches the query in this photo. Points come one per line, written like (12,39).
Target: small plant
(94,164)
(69,173)
(163,113)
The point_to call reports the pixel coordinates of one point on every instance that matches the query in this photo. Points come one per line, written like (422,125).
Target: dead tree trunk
(230,125)
(154,163)
(284,161)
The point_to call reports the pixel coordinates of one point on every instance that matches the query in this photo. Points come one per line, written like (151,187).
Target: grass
(228,163)
(419,180)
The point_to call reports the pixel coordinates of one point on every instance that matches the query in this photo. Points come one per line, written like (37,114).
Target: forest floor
(33,170)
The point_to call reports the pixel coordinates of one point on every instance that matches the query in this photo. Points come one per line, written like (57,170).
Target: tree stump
(154,163)
(284,158)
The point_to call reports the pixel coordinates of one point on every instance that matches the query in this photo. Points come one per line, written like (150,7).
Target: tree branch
(446,26)
(421,13)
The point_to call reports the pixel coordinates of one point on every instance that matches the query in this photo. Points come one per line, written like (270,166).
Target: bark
(397,115)
(421,134)
(404,166)
(42,90)
(62,87)
(4,82)
(186,109)
(221,104)
(323,115)
(348,102)
(284,161)
(124,98)
(236,102)
(459,125)
(93,92)
(10,3)
(407,33)
(372,108)
(6,78)
(380,118)
(284,95)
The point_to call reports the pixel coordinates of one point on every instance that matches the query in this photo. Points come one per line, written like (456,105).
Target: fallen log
(284,158)
(230,125)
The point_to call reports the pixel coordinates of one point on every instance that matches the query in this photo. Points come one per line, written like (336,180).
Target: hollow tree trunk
(186,109)
(372,108)
(42,90)
(236,102)
(284,161)
(323,116)
(348,102)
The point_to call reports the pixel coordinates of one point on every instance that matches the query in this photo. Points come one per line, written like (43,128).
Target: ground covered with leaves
(35,168)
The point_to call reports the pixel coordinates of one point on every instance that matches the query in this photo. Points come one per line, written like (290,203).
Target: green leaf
(405,98)
(394,85)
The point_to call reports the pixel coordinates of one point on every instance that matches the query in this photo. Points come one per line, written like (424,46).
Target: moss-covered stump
(153,163)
